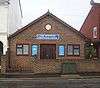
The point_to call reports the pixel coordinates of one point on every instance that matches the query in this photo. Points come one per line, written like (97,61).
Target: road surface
(56,82)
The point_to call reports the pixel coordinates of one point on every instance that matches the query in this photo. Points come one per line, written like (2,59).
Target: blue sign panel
(48,36)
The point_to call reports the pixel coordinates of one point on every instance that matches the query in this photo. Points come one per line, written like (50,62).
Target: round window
(48,26)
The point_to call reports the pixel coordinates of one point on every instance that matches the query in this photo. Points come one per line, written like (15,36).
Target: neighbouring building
(43,45)
(91,27)
(10,21)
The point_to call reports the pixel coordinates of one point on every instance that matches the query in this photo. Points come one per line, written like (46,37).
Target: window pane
(34,50)
(19,49)
(70,50)
(76,50)
(25,49)
(19,46)
(95,32)
(61,50)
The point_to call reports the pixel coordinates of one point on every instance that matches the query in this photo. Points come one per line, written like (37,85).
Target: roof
(43,16)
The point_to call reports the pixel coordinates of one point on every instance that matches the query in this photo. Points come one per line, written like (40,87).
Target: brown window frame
(22,50)
(73,45)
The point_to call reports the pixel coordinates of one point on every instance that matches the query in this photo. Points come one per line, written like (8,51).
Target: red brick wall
(88,66)
(92,20)
(28,63)
(3,63)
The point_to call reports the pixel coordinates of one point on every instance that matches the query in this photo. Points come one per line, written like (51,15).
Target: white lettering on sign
(48,36)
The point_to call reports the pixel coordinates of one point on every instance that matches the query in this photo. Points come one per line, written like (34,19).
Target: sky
(73,12)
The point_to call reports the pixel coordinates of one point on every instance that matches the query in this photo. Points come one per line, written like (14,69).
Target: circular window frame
(48,27)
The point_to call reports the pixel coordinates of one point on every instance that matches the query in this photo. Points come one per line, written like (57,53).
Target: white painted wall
(4,26)
(10,20)
(3,18)
(14,17)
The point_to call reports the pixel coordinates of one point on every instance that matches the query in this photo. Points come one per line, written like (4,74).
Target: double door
(47,51)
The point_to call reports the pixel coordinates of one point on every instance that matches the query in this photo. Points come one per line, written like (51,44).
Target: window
(25,49)
(22,49)
(70,50)
(34,50)
(61,50)
(95,32)
(76,50)
(19,50)
(73,50)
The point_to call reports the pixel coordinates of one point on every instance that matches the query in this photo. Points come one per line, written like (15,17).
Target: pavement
(49,82)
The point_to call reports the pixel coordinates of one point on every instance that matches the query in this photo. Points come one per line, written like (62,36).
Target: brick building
(43,45)
(91,27)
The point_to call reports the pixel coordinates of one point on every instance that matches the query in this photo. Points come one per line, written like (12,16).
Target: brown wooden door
(47,51)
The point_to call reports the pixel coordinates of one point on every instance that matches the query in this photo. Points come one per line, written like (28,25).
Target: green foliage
(90,52)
